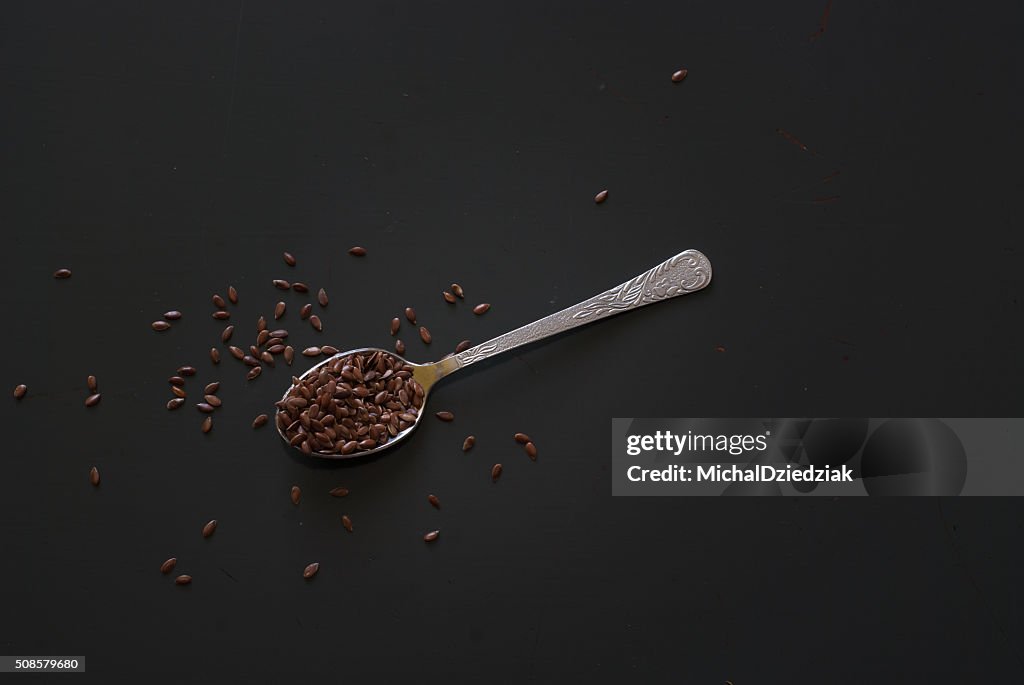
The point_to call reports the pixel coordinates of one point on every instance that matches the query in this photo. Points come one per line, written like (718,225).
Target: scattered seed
(314,321)
(347,522)
(431,536)
(679,75)
(468,443)
(94,476)
(232,294)
(92,400)
(90,382)
(160,325)
(425,335)
(281,284)
(187,370)
(311,352)
(457,289)
(267,358)
(207,424)
(329,350)
(434,501)
(310,570)
(178,392)
(19,391)
(211,388)
(279,333)
(300,287)
(183,579)
(249,359)
(279,310)
(399,347)
(531,451)
(210,526)
(219,302)
(339,492)
(288,259)
(357,251)
(445,415)
(321,297)
(205,408)
(261,325)
(448,297)
(215,355)
(168,565)
(306,310)
(462,346)
(226,333)
(289,354)
(410,314)
(175,403)
(521,438)
(254,373)
(481,308)
(62,273)
(296,494)
(260,420)
(212,400)
(236,352)
(176,380)
(495,472)
(395,325)
(601,197)
(172,315)
(221,315)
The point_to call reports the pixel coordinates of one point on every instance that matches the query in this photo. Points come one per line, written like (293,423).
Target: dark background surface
(163,152)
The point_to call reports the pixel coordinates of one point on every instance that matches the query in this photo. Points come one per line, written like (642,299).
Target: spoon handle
(685,273)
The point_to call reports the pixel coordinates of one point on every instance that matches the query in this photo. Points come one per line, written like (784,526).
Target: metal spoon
(685,273)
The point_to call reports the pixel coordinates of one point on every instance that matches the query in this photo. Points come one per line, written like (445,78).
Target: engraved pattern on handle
(685,273)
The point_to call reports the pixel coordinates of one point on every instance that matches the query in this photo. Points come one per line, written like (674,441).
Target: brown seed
(296,494)
(300,287)
(457,289)
(210,526)
(92,400)
(339,492)
(679,75)
(495,472)
(448,297)
(160,325)
(215,355)
(226,333)
(236,352)
(399,347)
(288,259)
(279,310)
(19,391)
(267,358)
(321,297)
(172,315)
(329,350)
(279,333)
(260,420)
(425,335)
(357,251)
(481,308)
(395,325)
(176,380)
(204,407)
(521,438)
(289,354)
(219,302)
(232,294)
(275,349)
(310,570)
(207,424)
(175,403)
(211,388)
(94,476)
(186,371)
(410,314)
(462,346)
(531,451)
(254,372)
(212,400)
(431,536)
(62,273)
(183,579)
(314,321)
(434,501)
(168,565)
(221,315)
(347,522)
(601,197)
(306,310)
(311,351)
(445,415)
(261,325)
(468,443)
(281,284)
(178,392)
(90,383)
(251,360)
